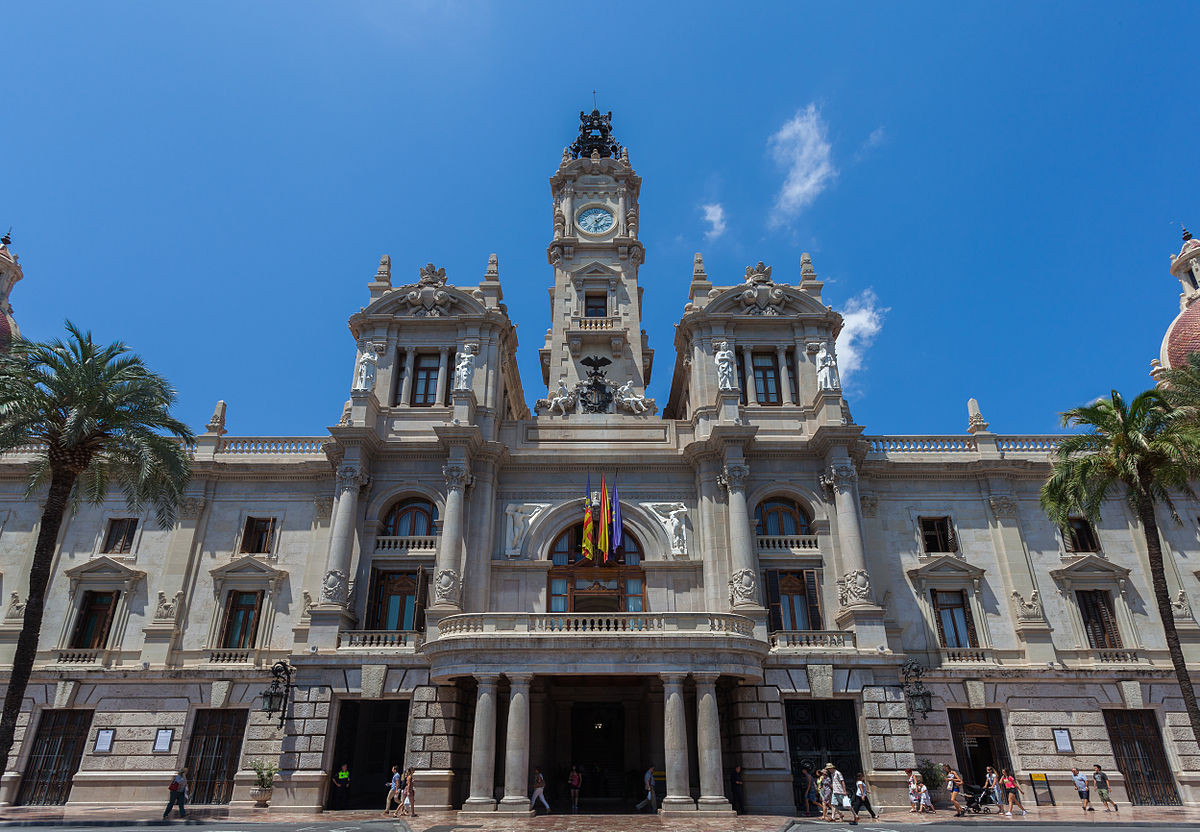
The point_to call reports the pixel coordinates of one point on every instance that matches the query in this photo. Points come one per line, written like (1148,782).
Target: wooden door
(54,758)
(213,752)
(1138,747)
(822,731)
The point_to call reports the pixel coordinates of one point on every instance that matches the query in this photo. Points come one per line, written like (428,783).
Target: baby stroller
(979,799)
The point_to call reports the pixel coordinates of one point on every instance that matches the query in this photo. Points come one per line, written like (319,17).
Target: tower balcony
(610,329)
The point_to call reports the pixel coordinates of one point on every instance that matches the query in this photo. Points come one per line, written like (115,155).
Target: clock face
(595,220)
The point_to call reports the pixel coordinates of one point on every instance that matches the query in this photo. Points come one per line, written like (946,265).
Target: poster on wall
(162,740)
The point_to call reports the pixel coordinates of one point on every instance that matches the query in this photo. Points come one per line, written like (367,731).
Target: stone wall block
(873,694)
(421,726)
(748,710)
(418,710)
(744,693)
(906,760)
(876,742)
(774,759)
(321,709)
(303,710)
(755,743)
(775,710)
(778,743)
(440,759)
(883,760)
(426,693)
(893,694)
(316,743)
(820,680)
(768,693)
(878,726)
(898,727)
(870,709)
(310,760)
(421,759)
(897,743)
(894,710)
(436,743)
(752,760)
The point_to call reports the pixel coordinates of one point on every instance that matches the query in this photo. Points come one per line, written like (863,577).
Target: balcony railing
(378,639)
(769,543)
(904,447)
(272,445)
(411,543)
(224,656)
(569,624)
(586,323)
(1114,655)
(79,656)
(967,655)
(812,640)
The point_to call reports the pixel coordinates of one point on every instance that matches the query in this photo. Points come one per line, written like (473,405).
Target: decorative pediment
(104,573)
(763,298)
(945,570)
(594,270)
(1090,569)
(247,572)
(425,301)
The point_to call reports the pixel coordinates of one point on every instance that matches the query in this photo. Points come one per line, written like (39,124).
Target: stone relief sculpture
(464,368)
(673,516)
(743,589)
(564,401)
(445,587)
(364,377)
(16,608)
(1181,607)
(333,588)
(626,397)
(519,516)
(1028,611)
(761,296)
(827,370)
(726,366)
(346,419)
(168,608)
(854,588)
(306,608)
(429,299)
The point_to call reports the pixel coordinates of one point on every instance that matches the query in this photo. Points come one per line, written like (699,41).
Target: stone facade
(780,567)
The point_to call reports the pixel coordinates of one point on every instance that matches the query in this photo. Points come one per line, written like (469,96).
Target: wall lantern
(920,698)
(276,698)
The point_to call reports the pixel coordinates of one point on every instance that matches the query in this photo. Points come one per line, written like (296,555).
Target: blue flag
(616,519)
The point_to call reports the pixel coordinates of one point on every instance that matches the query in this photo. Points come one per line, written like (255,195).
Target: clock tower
(596,353)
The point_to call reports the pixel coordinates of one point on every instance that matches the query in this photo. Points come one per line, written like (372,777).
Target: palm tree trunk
(61,482)
(1158,581)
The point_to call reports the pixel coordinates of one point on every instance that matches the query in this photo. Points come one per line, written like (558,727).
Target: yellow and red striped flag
(588,530)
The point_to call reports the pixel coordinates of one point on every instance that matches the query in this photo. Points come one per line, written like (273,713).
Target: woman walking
(178,792)
(825,789)
(954,783)
(914,793)
(1012,792)
(574,783)
(991,782)
(539,790)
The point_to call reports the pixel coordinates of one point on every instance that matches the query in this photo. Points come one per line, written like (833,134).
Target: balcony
(393,640)
(79,656)
(968,655)
(406,545)
(595,643)
(587,324)
(225,656)
(812,640)
(798,544)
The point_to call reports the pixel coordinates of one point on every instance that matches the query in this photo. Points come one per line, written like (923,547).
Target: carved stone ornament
(673,517)
(761,296)
(563,401)
(743,588)
(458,476)
(869,505)
(733,477)
(431,276)
(334,589)
(1181,607)
(854,588)
(16,608)
(446,586)
(1028,611)
(167,609)
(322,508)
(518,518)
(306,610)
(428,299)
(216,424)
(464,368)
(726,365)
(840,477)
(629,399)
(347,418)
(827,369)
(1002,505)
(191,507)
(364,372)
(351,476)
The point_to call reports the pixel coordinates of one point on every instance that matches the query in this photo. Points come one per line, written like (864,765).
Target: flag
(605,520)
(587,520)
(616,520)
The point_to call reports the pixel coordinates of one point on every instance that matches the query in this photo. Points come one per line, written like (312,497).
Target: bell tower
(596,302)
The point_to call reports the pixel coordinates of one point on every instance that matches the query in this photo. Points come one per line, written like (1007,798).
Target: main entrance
(213,751)
(978,736)
(1138,747)
(57,750)
(370,740)
(819,732)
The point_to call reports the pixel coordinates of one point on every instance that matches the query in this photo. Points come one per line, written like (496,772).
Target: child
(926,801)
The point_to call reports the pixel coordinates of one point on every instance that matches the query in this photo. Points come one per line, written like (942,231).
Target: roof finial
(595,106)
(595,136)
(1187,235)
(7,238)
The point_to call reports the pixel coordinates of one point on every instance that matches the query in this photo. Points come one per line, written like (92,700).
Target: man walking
(1101,780)
(539,791)
(648,785)
(178,792)
(1083,788)
(838,788)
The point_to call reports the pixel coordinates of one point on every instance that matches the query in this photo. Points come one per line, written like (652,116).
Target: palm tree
(96,417)
(1145,449)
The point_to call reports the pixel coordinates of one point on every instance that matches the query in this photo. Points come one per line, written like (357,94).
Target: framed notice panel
(1041,789)
(1062,741)
(162,740)
(104,741)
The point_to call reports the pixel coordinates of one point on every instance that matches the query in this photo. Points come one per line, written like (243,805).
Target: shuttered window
(1079,536)
(258,535)
(766,378)
(1099,621)
(118,540)
(95,618)
(398,600)
(794,600)
(937,535)
(955,626)
(241,620)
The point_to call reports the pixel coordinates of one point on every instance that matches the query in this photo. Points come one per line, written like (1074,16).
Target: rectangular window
(937,535)
(634,598)
(1099,621)
(425,373)
(1079,536)
(241,619)
(397,600)
(95,618)
(258,535)
(558,595)
(794,600)
(955,626)
(793,375)
(119,538)
(766,378)
(595,305)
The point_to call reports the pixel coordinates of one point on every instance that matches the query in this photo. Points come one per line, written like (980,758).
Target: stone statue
(827,371)
(672,516)
(364,378)
(563,401)
(347,418)
(16,608)
(464,368)
(519,516)
(726,366)
(168,608)
(633,401)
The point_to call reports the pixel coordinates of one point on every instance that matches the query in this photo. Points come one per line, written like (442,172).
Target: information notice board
(1042,796)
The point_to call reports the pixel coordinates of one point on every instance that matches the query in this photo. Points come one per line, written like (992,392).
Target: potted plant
(934,779)
(264,782)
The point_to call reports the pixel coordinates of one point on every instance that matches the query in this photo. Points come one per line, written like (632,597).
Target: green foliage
(264,773)
(98,413)
(931,773)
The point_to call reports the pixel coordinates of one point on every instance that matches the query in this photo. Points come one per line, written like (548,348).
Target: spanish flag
(605,519)
(588,531)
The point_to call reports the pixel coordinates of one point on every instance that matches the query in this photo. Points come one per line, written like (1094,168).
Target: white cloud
(862,319)
(714,215)
(802,147)
(878,136)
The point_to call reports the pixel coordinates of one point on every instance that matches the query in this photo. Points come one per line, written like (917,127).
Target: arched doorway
(578,584)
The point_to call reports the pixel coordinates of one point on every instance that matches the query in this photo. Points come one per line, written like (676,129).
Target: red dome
(1183,336)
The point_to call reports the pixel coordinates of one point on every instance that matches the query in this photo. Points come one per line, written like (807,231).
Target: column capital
(351,476)
(673,678)
(841,476)
(733,476)
(706,677)
(458,476)
(521,680)
(487,679)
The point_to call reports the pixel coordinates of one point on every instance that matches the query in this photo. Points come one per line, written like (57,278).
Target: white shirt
(839,782)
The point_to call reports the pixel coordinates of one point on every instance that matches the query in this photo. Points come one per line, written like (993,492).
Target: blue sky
(991,189)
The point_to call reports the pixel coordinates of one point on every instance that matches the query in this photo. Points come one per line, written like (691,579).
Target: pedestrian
(648,785)
(341,788)
(914,793)
(808,786)
(1083,788)
(574,783)
(1101,780)
(991,782)
(926,800)
(1012,792)
(838,788)
(737,791)
(825,790)
(954,783)
(539,790)
(410,790)
(178,790)
(861,799)
(394,786)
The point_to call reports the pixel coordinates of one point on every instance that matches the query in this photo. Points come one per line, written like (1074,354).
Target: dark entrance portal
(370,738)
(598,748)
(213,752)
(978,736)
(57,750)
(1138,747)
(819,732)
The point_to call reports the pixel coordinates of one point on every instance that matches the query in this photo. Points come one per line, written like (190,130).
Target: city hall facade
(421,566)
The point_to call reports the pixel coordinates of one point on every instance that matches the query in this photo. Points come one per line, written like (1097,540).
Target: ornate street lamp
(276,697)
(920,698)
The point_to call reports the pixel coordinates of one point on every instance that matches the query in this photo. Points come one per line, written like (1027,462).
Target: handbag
(174,787)
(845,802)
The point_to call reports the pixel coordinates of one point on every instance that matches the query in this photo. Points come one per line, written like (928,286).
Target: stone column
(785,381)
(708,745)
(410,359)
(516,751)
(854,584)
(709,550)
(679,790)
(480,530)
(748,369)
(743,581)
(350,479)
(443,359)
(447,582)
(483,748)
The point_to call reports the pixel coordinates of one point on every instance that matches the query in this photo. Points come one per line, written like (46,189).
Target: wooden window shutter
(951,542)
(1107,615)
(937,617)
(813,593)
(230,600)
(422,599)
(774,608)
(966,602)
(254,620)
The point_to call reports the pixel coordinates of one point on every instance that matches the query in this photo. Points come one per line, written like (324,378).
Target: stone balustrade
(632,623)
(1114,655)
(79,656)
(1009,447)
(584,323)
(272,445)
(812,640)
(415,544)
(771,543)
(379,639)
(967,655)
(224,656)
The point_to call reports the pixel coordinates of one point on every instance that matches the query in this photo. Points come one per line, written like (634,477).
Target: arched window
(414,517)
(581,585)
(781,516)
